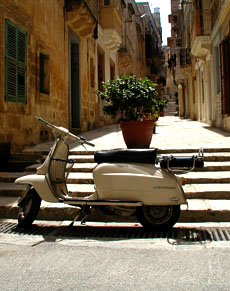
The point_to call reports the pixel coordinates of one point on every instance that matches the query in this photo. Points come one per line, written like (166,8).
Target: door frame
(74,86)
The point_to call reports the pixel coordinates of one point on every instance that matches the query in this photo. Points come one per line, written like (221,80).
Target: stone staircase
(171,108)
(207,189)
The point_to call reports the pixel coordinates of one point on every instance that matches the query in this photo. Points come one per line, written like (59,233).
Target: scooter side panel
(40,184)
(137,182)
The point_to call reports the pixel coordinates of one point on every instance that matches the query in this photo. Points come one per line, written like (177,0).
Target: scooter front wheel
(159,217)
(29,208)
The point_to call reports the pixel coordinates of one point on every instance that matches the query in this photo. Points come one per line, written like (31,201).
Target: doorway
(75,98)
(101,75)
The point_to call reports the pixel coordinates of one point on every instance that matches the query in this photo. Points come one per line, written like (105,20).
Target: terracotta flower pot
(137,134)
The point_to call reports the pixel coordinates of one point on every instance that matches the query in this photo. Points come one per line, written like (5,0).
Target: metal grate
(177,235)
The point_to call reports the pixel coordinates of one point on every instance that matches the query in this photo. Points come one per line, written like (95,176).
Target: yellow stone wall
(51,27)
(43,21)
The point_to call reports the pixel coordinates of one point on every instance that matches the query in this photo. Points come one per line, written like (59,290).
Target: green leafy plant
(129,97)
(161,104)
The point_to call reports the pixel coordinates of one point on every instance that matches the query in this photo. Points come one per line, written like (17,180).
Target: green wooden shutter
(15,63)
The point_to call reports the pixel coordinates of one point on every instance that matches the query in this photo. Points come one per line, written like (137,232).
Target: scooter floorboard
(77,201)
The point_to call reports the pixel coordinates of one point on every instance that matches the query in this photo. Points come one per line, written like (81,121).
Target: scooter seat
(146,156)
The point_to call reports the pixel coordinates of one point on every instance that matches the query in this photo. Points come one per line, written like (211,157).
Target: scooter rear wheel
(158,217)
(29,208)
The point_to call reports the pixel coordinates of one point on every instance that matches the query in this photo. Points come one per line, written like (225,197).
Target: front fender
(40,184)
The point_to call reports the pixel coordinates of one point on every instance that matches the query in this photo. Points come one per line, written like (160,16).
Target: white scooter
(127,183)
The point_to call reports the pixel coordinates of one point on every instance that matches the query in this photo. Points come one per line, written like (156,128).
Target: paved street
(207,190)
(172,132)
(46,258)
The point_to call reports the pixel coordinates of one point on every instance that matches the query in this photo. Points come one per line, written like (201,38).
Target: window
(15,63)
(92,73)
(106,2)
(44,73)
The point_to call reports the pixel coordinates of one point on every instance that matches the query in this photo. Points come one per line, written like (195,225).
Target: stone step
(218,157)
(10,177)
(82,158)
(198,211)
(77,167)
(28,157)
(74,177)
(83,167)
(192,191)
(189,150)
(206,177)
(171,113)
(78,156)
(73,152)
(206,210)
(13,166)
(80,178)
(88,167)
(207,191)
(215,166)
(18,162)
(12,189)
(80,190)
(190,178)
(87,177)
(87,152)
(33,168)
(208,156)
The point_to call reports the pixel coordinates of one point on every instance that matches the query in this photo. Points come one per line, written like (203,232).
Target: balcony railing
(185,57)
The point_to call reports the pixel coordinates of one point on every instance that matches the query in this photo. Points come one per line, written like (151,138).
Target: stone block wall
(43,23)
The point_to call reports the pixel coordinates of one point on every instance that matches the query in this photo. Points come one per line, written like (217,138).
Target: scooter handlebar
(50,125)
(64,131)
(84,141)
(80,139)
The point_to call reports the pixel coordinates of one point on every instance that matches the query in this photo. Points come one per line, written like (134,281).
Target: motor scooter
(127,182)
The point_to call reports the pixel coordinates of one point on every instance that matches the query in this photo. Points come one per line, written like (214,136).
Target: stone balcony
(111,25)
(200,33)
(80,18)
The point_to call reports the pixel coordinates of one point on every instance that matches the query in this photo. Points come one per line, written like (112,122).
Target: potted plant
(161,105)
(130,99)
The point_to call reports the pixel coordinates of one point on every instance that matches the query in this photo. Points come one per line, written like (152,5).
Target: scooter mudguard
(137,182)
(40,184)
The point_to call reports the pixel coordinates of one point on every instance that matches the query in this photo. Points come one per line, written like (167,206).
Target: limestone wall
(43,22)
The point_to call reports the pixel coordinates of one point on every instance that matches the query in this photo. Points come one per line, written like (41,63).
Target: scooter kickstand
(85,211)
(86,214)
(76,217)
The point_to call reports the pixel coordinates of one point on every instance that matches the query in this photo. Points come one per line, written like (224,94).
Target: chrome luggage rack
(182,164)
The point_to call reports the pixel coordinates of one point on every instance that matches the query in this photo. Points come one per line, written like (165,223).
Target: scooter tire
(158,218)
(28,209)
